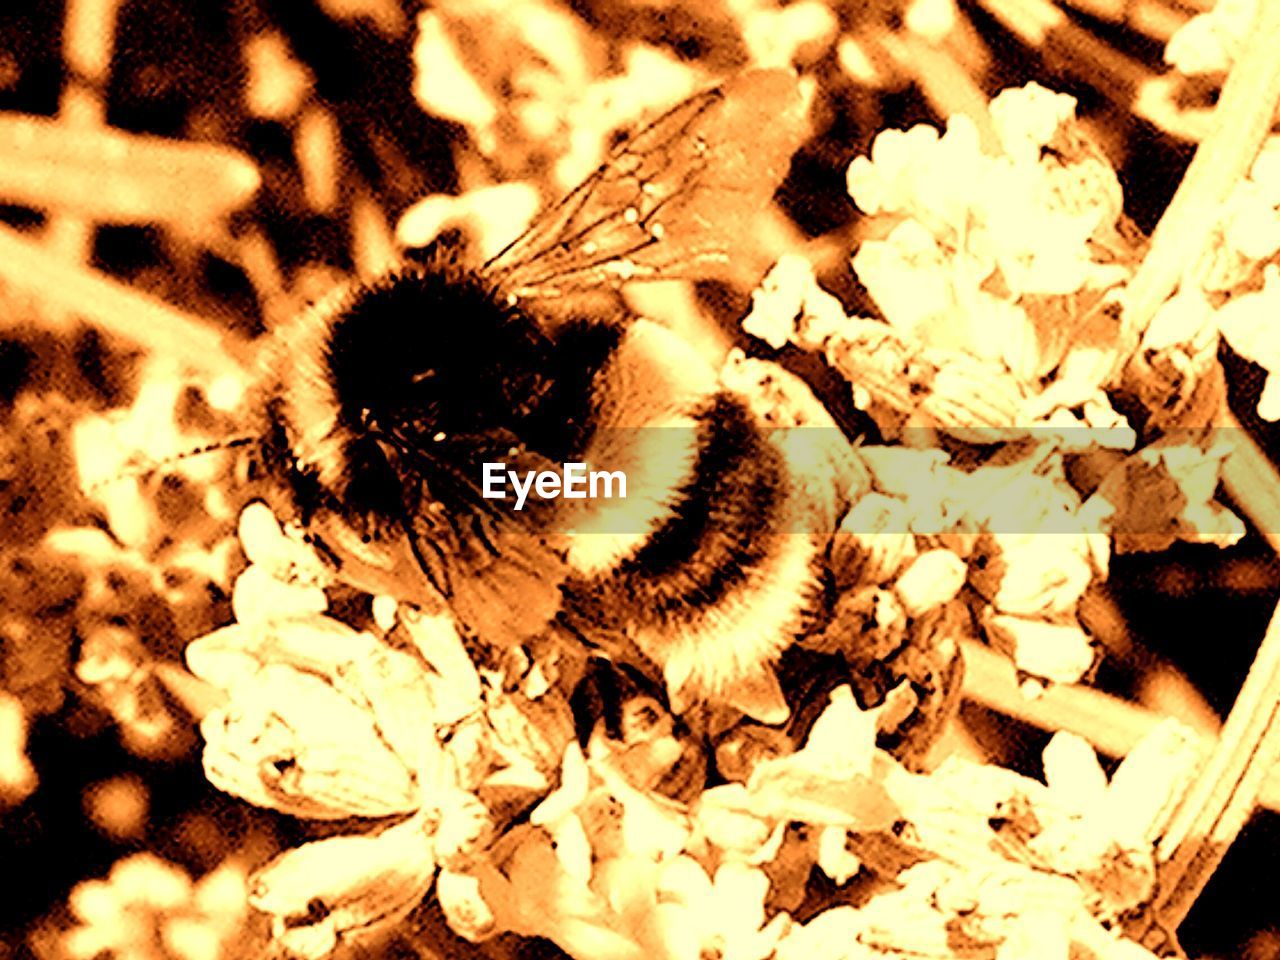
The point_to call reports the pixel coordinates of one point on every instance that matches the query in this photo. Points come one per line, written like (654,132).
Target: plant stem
(1113,726)
(1241,122)
(1251,479)
(1222,799)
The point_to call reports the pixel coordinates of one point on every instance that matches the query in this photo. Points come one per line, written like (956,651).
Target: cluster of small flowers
(150,909)
(397,727)
(999,257)
(393,724)
(118,598)
(912,550)
(994,281)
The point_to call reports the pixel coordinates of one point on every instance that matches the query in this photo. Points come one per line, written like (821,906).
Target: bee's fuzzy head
(420,356)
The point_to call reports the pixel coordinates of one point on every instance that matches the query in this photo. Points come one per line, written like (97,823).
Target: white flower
(1026,118)
(1058,652)
(285,578)
(789,294)
(344,889)
(17,775)
(930,580)
(1044,573)
(1210,42)
(1072,772)
(465,829)
(883,182)
(831,935)
(1250,221)
(828,782)
(321,721)
(723,817)
(723,916)
(1248,324)
(834,856)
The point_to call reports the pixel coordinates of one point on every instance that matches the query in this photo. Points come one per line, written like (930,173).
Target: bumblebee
(383,403)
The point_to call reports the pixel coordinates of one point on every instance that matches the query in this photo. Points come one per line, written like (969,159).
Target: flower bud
(343,889)
(290,741)
(464,906)
(931,580)
(338,694)
(1058,652)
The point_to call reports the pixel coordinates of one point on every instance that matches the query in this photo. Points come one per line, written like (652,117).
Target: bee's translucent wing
(670,199)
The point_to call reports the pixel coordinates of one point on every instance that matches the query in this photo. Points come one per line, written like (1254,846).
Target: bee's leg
(933,667)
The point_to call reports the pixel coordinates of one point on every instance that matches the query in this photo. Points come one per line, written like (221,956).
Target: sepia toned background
(179,178)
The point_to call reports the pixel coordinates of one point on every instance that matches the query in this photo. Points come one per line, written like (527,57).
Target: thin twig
(947,86)
(112,176)
(1067,47)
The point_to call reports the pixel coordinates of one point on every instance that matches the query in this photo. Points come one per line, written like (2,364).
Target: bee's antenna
(142,470)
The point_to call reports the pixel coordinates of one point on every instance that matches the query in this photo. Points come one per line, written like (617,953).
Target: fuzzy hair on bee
(382,403)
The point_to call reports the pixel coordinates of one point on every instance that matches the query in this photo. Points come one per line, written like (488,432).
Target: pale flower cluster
(1014,541)
(415,743)
(323,721)
(980,240)
(150,909)
(995,276)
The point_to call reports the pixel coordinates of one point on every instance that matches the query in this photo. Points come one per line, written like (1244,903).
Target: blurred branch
(1112,725)
(115,177)
(946,84)
(117,308)
(88,39)
(1154,18)
(1068,47)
